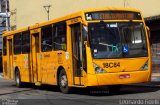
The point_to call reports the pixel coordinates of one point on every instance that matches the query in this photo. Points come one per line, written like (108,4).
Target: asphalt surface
(148,94)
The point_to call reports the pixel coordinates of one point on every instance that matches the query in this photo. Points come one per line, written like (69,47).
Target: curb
(150,85)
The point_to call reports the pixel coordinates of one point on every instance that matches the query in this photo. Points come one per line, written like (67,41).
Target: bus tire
(114,89)
(63,82)
(18,79)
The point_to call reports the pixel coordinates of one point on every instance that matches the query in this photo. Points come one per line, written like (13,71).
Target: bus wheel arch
(17,77)
(58,72)
(62,80)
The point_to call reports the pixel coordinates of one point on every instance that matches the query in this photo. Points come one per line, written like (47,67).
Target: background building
(28,12)
(2,20)
(154,24)
(4,4)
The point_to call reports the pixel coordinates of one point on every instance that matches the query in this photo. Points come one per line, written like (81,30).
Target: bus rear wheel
(18,79)
(63,82)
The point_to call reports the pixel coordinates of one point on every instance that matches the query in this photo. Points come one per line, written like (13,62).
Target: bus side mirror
(85,43)
(84,56)
(148,31)
(149,35)
(84,32)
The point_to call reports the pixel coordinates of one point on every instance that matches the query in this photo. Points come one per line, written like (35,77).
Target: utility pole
(0,5)
(124,3)
(47,8)
(7,16)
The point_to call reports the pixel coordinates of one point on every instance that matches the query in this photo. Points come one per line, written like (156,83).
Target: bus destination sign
(113,15)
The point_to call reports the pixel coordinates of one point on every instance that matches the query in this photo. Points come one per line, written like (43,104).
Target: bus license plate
(124,76)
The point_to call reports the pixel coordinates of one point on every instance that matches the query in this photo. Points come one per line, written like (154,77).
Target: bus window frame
(56,36)
(43,38)
(23,44)
(19,44)
(4,47)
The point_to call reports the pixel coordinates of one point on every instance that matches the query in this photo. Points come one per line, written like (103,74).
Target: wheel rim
(17,79)
(63,81)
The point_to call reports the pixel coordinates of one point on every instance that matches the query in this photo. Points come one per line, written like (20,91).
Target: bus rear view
(119,48)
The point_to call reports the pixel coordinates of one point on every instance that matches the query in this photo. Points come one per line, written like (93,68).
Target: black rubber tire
(114,89)
(64,89)
(18,79)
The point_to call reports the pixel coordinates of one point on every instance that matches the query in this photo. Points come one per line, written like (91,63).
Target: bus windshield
(117,40)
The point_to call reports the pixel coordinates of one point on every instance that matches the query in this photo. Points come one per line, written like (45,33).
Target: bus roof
(67,17)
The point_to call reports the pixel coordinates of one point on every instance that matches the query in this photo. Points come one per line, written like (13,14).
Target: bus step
(38,83)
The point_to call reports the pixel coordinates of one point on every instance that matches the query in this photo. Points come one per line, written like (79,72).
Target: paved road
(50,95)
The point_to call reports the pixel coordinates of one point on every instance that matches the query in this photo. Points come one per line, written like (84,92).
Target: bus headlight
(99,69)
(145,66)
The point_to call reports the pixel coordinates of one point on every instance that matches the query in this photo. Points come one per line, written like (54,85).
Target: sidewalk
(152,84)
(1,75)
(155,82)
(155,77)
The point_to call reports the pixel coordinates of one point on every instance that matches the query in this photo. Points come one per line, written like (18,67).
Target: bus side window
(25,42)
(4,46)
(17,43)
(59,36)
(46,41)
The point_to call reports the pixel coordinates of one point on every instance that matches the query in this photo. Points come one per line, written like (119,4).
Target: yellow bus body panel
(114,78)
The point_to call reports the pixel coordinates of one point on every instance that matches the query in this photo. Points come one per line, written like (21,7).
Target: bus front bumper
(118,78)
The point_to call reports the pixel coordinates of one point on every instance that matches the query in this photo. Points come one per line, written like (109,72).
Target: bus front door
(10,69)
(76,53)
(35,58)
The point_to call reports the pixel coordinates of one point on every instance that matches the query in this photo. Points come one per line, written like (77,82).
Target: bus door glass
(76,53)
(35,57)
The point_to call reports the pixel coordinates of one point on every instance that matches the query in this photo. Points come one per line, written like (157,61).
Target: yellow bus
(93,47)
